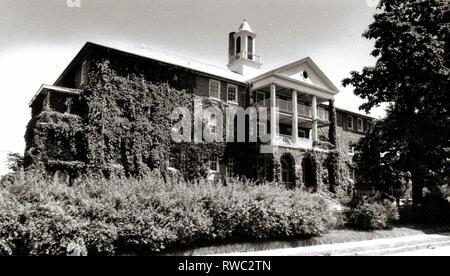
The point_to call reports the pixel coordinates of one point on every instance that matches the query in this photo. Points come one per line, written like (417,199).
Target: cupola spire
(242,57)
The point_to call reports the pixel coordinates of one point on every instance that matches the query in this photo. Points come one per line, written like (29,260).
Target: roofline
(99,46)
(353,113)
(90,45)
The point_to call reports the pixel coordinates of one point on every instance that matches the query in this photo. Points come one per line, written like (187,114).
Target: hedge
(44,216)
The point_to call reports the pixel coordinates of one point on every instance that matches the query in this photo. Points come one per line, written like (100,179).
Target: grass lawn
(336,236)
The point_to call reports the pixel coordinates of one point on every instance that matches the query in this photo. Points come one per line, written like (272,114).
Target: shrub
(42,216)
(372,215)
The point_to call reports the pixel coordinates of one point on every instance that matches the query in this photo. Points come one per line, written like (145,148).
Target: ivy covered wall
(121,124)
(124,125)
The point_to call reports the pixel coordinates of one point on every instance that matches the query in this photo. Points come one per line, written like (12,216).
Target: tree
(412,75)
(378,166)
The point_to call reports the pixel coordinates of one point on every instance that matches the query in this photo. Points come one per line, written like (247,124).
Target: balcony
(246,55)
(303,110)
(288,141)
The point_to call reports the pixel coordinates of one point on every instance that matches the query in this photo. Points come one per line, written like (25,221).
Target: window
(352,173)
(305,75)
(351,149)
(213,124)
(214,164)
(302,133)
(174,162)
(350,122)
(232,93)
(360,124)
(238,45)
(214,89)
(250,47)
(230,167)
(262,128)
(84,72)
(260,97)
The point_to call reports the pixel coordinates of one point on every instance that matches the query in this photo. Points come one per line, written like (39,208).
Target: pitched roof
(177,60)
(199,66)
(245,27)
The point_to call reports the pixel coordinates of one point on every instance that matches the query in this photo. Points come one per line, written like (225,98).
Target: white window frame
(235,91)
(358,120)
(353,123)
(211,82)
(213,160)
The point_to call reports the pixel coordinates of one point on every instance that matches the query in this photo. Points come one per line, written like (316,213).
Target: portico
(294,108)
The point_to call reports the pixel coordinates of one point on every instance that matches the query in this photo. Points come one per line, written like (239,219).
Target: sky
(38,39)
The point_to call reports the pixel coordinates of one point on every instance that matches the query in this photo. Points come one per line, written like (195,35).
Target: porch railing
(323,114)
(303,110)
(288,141)
(246,55)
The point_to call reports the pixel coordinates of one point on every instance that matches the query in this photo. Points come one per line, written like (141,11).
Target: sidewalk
(441,251)
(436,244)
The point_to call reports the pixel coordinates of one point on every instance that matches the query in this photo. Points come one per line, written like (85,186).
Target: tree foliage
(412,75)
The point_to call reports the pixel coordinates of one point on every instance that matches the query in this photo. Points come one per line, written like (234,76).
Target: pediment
(305,71)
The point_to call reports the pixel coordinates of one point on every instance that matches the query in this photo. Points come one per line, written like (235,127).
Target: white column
(295,117)
(273,113)
(314,115)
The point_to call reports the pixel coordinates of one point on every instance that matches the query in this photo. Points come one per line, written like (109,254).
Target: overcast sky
(38,38)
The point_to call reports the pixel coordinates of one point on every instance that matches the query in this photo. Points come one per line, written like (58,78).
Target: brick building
(299,98)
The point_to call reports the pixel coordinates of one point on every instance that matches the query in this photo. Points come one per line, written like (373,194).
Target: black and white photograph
(224,134)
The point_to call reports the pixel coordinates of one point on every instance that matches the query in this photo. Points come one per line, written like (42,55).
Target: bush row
(42,216)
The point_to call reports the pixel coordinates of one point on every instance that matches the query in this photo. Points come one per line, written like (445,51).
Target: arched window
(250,48)
(309,175)
(250,45)
(288,171)
(238,45)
